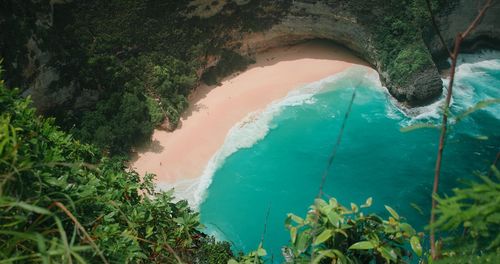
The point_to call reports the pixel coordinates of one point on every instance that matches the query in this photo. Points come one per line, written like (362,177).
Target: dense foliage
(146,56)
(398,34)
(472,218)
(132,64)
(126,64)
(333,233)
(60,201)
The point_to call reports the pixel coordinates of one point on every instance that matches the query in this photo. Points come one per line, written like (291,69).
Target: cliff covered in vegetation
(97,65)
(62,202)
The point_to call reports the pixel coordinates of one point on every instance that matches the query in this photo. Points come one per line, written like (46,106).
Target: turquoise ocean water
(275,159)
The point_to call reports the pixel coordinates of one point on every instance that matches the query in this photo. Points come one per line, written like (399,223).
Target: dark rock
(422,88)
(456,18)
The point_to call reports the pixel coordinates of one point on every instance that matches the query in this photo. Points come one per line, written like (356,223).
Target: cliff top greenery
(126,66)
(62,202)
(134,63)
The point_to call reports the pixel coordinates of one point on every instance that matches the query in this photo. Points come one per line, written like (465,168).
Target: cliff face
(339,23)
(372,29)
(456,19)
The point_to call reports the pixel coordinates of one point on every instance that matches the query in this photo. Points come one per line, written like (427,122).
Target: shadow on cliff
(318,49)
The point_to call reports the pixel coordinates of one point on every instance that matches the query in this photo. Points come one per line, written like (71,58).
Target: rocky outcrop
(422,88)
(336,22)
(456,19)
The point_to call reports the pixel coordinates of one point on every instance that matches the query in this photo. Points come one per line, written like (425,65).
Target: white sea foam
(254,127)
(470,67)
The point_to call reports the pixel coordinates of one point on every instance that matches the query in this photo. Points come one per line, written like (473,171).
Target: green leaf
(261,252)
(417,126)
(419,210)
(478,106)
(354,207)
(392,212)
(232,261)
(33,208)
(363,245)
(388,253)
(407,228)
(368,203)
(149,231)
(416,246)
(325,235)
(320,203)
(303,241)
(334,218)
(296,219)
(293,234)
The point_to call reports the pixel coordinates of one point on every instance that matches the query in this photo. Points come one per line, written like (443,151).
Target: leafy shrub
(471,217)
(61,202)
(333,233)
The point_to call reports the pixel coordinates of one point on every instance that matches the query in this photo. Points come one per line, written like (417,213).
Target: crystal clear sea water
(274,159)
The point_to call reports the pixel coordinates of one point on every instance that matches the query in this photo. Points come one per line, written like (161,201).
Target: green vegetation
(120,57)
(64,201)
(61,202)
(153,52)
(332,233)
(472,218)
(398,34)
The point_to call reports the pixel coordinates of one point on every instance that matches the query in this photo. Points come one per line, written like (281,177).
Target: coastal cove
(280,172)
(244,173)
(179,158)
(250,131)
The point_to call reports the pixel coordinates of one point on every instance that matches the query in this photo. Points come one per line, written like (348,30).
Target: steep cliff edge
(406,70)
(457,19)
(96,65)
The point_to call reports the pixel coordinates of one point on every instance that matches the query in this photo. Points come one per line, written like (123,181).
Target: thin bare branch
(332,158)
(265,225)
(337,144)
(454,56)
(82,229)
(436,29)
(476,21)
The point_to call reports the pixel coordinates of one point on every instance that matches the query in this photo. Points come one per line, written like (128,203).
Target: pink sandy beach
(182,154)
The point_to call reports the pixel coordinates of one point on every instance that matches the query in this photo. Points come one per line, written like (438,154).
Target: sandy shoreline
(181,155)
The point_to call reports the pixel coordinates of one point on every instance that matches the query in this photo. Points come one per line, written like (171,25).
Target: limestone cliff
(372,29)
(336,21)
(456,19)
(339,22)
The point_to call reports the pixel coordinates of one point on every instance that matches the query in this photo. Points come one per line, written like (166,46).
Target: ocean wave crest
(255,126)
(470,68)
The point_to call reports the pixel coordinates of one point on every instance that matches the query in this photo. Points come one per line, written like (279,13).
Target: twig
(436,29)
(454,56)
(263,232)
(332,157)
(82,229)
(337,144)
(166,246)
(265,225)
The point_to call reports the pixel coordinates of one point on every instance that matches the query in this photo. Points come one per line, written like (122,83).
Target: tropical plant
(62,202)
(332,233)
(471,217)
